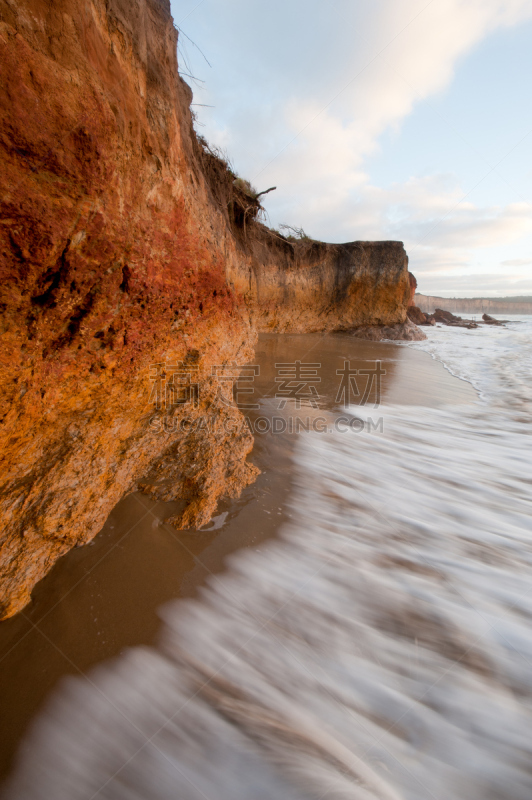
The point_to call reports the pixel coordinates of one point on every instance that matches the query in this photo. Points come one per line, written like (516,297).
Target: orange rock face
(119,251)
(299,287)
(413,287)
(106,269)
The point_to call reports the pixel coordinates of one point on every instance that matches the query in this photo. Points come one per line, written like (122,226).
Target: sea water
(380,648)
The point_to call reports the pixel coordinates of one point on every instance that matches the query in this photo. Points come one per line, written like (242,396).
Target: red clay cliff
(123,247)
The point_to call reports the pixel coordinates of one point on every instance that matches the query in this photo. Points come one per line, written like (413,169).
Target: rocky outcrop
(446,318)
(133,271)
(475,305)
(492,321)
(417,316)
(404,331)
(413,286)
(311,286)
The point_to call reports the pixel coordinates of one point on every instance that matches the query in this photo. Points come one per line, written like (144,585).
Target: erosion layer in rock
(133,273)
(475,305)
(311,286)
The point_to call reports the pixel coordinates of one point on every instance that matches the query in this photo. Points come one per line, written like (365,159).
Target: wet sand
(102,598)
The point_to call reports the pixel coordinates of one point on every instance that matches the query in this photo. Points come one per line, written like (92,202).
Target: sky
(378,119)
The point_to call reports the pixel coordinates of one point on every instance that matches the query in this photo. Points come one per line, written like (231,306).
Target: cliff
(127,252)
(475,305)
(311,286)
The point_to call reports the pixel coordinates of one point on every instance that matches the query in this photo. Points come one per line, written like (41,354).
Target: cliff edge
(126,247)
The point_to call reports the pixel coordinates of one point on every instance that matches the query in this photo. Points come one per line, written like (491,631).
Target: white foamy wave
(496,360)
(381,648)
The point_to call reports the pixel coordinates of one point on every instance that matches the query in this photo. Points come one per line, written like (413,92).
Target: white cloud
(308,89)
(402,51)
(481,285)
(440,231)
(516,262)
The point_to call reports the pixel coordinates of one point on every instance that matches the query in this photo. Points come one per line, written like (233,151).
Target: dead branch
(271,189)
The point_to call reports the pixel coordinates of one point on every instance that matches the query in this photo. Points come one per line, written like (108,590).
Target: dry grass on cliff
(294,234)
(238,199)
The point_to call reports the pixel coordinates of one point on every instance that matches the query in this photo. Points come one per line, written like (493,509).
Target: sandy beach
(102,598)
(365,635)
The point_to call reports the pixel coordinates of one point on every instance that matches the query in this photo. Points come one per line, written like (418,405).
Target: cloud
(369,69)
(481,285)
(355,67)
(441,232)
(304,91)
(516,262)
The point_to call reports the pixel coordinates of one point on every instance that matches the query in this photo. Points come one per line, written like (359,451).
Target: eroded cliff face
(311,286)
(113,259)
(122,253)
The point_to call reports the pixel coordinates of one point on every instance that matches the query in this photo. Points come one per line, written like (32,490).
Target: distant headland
(476,305)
